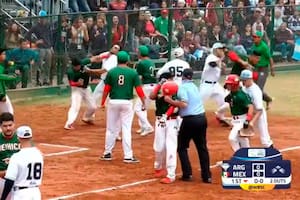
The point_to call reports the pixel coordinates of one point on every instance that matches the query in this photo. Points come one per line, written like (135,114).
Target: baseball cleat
(69,127)
(167,180)
(160,173)
(269,104)
(87,121)
(119,138)
(139,131)
(147,131)
(131,160)
(106,157)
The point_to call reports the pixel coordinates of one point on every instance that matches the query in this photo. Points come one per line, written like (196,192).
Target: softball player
(25,169)
(260,117)
(241,110)
(145,69)
(80,89)
(175,66)
(166,131)
(9,143)
(210,86)
(119,84)
(5,104)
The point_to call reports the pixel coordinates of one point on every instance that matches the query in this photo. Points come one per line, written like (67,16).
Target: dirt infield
(79,170)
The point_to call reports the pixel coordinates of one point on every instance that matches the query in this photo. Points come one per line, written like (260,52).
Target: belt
(210,82)
(193,116)
(16,188)
(171,117)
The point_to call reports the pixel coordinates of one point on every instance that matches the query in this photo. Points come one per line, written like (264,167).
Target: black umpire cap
(188,73)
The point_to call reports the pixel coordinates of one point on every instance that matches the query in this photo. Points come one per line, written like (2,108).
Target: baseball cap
(178,52)
(144,50)
(218,45)
(43,13)
(164,11)
(258,34)
(123,57)
(246,74)
(166,75)
(188,73)
(24,132)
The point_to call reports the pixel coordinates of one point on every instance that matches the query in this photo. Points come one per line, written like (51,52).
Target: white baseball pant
(142,114)
(165,146)
(32,193)
(6,106)
(262,127)
(77,95)
(215,91)
(119,110)
(235,140)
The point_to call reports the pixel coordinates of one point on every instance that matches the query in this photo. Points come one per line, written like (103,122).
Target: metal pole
(272,33)
(170,30)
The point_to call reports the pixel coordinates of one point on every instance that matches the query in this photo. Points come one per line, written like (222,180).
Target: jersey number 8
(121,80)
(34,171)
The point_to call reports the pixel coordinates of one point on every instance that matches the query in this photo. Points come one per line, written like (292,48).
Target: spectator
(201,38)
(89,25)
(117,32)
(79,6)
(211,16)
(284,41)
(41,35)
(180,13)
(258,25)
(99,37)
(216,35)
(246,38)
(179,31)
(79,35)
(162,23)
(120,5)
(278,19)
(239,15)
(294,22)
(12,36)
(97,5)
(290,8)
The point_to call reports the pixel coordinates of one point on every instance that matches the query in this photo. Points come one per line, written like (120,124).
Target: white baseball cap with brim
(246,74)
(218,45)
(178,52)
(24,132)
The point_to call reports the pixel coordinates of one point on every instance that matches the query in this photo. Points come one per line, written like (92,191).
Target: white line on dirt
(137,182)
(73,149)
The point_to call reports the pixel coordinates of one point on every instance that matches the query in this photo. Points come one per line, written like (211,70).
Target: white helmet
(178,52)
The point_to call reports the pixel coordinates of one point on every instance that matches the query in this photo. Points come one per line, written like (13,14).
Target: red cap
(164,11)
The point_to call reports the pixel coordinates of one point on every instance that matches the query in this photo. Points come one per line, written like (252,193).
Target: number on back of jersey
(176,71)
(34,171)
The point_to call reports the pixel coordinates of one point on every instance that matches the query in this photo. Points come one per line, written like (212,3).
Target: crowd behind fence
(50,41)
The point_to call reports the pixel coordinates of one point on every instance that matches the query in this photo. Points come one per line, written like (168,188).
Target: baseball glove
(247,132)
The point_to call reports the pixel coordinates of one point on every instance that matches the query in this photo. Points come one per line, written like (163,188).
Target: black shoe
(207,180)
(106,157)
(187,178)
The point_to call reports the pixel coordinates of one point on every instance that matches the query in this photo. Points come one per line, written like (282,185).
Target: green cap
(123,57)
(259,34)
(144,50)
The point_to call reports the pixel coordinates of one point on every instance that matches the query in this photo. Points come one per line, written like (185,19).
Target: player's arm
(7,188)
(182,96)
(139,90)
(5,77)
(234,57)
(106,91)
(2,174)
(154,92)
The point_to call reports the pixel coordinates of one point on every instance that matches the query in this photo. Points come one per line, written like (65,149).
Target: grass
(283,87)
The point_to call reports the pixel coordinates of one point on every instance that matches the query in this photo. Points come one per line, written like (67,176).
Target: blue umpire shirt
(189,93)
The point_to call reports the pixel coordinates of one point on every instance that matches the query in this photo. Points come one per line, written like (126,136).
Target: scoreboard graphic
(256,169)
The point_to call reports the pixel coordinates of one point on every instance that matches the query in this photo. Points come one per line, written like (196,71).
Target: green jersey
(265,54)
(122,81)
(239,102)
(7,148)
(145,68)
(162,106)
(237,68)
(81,74)
(3,79)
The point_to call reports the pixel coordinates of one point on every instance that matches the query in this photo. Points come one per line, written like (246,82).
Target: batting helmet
(169,88)
(232,79)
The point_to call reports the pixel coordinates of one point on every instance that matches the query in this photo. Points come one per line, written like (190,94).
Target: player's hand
(80,81)
(143,107)
(272,72)
(86,69)
(162,121)
(17,71)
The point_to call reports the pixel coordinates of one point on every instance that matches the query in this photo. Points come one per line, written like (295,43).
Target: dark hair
(75,62)
(6,116)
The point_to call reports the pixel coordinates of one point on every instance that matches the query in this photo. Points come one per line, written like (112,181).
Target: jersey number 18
(34,171)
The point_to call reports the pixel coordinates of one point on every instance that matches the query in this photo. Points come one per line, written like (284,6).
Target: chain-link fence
(51,41)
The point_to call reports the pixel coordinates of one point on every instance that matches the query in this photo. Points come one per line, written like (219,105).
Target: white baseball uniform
(6,106)
(26,170)
(210,88)
(261,125)
(107,64)
(176,67)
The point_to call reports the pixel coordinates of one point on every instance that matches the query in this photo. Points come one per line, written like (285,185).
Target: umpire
(193,126)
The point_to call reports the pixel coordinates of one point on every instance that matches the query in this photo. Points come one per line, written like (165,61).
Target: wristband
(249,117)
